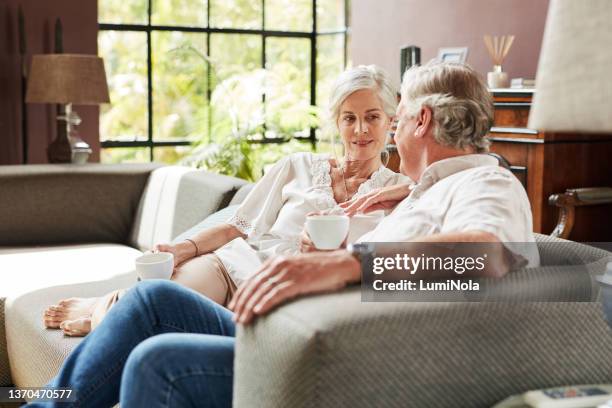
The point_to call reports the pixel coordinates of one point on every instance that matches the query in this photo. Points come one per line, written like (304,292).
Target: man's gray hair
(462,105)
(359,78)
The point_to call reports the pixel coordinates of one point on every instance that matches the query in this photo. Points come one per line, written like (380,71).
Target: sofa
(75,230)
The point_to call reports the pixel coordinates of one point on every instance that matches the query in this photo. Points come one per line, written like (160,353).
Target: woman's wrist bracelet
(197,251)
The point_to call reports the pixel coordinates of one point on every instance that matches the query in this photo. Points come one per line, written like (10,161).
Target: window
(190,72)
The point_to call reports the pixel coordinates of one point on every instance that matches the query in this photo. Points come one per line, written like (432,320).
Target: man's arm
(498,258)
(283,278)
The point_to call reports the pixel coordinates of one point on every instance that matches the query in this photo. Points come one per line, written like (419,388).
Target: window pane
(289,15)
(125,155)
(179,85)
(330,63)
(125,61)
(170,154)
(190,13)
(330,14)
(287,86)
(235,13)
(236,101)
(122,11)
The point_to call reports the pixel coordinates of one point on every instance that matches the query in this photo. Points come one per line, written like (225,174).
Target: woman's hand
(381,199)
(282,278)
(170,249)
(306,244)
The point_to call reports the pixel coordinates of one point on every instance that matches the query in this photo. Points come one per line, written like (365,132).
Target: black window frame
(149,28)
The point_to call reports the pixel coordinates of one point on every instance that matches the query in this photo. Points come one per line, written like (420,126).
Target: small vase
(497,78)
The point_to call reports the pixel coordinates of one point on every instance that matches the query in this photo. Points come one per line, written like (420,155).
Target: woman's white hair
(462,105)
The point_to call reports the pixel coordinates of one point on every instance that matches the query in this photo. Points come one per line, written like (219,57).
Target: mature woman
(270,220)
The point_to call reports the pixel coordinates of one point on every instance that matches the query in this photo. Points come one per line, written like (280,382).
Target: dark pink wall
(79,19)
(380,28)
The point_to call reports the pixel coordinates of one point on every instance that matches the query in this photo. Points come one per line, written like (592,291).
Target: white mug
(327,231)
(157,265)
(363,223)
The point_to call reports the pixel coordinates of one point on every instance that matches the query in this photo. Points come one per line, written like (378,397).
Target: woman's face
(363,125)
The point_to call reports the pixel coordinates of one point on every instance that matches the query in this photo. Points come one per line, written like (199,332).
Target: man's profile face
(404,137)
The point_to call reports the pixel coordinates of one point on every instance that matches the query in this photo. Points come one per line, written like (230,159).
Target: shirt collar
(447,167)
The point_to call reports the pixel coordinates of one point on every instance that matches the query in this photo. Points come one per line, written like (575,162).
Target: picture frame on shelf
(453,54)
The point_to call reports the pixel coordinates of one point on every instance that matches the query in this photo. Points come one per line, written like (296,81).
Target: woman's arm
(256,215)
(204,242)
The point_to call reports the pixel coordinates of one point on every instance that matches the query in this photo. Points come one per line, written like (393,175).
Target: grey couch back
(58,204)
(127,204)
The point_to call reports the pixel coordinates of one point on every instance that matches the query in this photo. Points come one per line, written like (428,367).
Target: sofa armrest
(335,351)
(177,198)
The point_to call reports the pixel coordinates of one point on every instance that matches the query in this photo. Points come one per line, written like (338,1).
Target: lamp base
(80,150)
(60,151)
(68,147)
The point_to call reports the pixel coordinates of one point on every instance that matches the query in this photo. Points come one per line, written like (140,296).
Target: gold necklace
(346,193)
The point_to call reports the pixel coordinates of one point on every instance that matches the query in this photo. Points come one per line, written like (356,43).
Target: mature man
(459,196)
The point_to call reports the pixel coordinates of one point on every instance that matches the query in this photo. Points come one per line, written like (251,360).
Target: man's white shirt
(460,194)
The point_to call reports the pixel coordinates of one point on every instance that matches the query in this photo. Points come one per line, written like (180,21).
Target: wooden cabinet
(548,163)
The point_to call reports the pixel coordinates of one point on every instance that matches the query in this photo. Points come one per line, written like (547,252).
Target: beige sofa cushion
(34,278)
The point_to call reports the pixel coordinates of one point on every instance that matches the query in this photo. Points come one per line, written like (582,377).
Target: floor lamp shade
(67,78)
(574,77)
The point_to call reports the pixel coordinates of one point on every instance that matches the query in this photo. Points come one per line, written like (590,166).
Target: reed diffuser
(498,48)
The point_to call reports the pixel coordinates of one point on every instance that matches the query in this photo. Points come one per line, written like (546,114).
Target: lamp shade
(67,78)
(574,77)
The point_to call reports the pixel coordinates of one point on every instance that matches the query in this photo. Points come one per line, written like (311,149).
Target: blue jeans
(162,345)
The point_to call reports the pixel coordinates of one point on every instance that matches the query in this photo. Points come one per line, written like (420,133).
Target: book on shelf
(522,83)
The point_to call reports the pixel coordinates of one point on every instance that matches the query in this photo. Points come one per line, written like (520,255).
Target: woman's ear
(424,121)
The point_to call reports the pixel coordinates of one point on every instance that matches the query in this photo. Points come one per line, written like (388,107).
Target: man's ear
(424,121)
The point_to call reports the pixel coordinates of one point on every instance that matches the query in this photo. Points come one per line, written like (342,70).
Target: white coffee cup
(363,223)
(327,231)
(157,265)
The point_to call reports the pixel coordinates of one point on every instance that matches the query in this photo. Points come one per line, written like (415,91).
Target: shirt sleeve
(493,201)
(260,208)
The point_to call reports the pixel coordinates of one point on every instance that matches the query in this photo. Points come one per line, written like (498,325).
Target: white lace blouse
(273,214)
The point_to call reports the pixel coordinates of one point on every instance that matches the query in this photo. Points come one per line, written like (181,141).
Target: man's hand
(380,199)
(282,278)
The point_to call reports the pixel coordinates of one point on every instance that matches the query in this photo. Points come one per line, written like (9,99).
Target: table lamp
(67,79)
(574,81)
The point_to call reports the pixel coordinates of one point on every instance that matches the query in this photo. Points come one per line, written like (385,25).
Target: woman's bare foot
(68,309)
(76,328)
